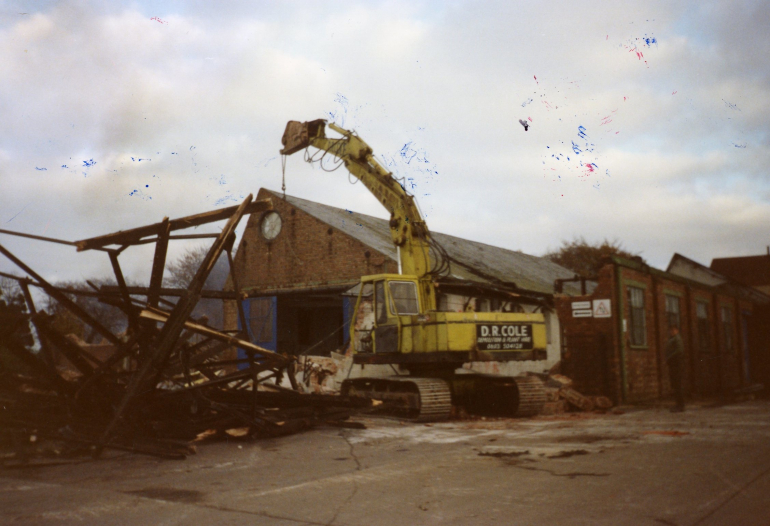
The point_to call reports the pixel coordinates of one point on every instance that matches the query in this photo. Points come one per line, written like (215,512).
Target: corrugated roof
(530,273)
(688,268)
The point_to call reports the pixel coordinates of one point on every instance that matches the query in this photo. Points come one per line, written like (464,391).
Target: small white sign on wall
(602,309)
(579,305)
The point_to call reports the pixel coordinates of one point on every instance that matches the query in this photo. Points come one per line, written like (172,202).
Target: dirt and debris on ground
(707,466)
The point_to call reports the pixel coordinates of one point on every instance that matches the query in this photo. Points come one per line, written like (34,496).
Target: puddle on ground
(590,439)
(567,454)
(503,454)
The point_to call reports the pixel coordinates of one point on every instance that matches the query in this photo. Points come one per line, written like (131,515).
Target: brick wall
(720,369)
(589,351)
(731,366)
(642,376)
(306,253)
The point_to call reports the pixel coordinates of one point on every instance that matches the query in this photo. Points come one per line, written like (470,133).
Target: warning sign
(602,309)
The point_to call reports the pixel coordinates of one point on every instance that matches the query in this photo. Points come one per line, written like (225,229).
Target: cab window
(380,308)
(404,295)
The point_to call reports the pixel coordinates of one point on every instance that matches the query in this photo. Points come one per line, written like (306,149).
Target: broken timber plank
(165,291)
(159,263)
(39,238)
(214,334)
(127,237)
(132,319)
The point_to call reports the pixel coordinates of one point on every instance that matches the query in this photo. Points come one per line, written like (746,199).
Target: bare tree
(9,289)
(65,322)
(183,269)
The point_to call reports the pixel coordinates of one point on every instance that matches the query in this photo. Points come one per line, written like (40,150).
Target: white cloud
(205,93)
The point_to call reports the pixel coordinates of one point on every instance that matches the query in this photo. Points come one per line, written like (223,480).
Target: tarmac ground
(707,466)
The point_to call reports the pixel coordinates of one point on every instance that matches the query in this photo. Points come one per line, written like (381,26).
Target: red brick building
(614,339)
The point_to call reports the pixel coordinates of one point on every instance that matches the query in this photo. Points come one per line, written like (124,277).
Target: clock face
(271,225)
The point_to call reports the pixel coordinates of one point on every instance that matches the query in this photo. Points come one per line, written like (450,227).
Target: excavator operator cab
(382,301)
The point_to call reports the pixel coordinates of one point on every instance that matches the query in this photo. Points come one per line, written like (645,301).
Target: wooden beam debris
(169,292)
(135,235)
(157,315)
(168,377)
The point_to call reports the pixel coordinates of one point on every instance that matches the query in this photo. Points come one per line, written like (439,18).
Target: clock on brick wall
(270,226)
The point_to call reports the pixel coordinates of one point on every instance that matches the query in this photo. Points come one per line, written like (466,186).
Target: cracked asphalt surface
(707,466)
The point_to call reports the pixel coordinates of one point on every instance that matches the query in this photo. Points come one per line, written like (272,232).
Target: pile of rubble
(561,397)
(165,381)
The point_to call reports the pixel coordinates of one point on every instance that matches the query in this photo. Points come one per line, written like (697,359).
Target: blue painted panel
(256,317)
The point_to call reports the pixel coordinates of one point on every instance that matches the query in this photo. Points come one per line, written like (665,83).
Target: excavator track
(430,399)
(532,396)
(505,396)
(406,398)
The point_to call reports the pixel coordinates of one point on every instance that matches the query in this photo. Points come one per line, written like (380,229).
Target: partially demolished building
(296,263)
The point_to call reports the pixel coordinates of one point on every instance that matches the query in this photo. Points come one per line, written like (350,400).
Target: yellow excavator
(396,320)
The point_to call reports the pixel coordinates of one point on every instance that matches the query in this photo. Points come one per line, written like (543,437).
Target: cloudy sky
(647,121)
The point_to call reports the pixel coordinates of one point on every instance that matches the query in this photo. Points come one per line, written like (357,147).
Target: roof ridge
(278,194)
(529,272)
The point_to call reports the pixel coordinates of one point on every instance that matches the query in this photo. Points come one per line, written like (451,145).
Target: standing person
(675,362)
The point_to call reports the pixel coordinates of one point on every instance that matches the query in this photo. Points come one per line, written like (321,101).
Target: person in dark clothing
(675,361)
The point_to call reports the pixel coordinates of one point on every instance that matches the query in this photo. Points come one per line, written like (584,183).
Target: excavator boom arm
(407,228)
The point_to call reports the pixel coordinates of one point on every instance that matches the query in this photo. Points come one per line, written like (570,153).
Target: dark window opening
(672,311)
(304,325)
(727,329)
(704,333)
(638,325)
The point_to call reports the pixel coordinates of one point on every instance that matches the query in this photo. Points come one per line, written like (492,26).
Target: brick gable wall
(306,252)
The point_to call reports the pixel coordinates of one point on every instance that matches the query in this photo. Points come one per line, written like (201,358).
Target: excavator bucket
(297,135)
